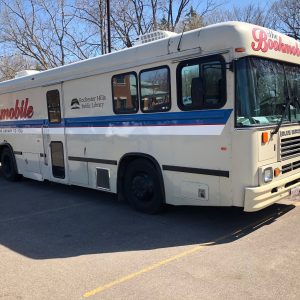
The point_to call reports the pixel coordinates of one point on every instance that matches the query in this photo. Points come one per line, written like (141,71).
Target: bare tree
(10,65)
(154,9)
(173,14)
(56,32)
(252,13)
(131,18)
(175,11)
(287,16)
(192,20)
(92,16)
(44,30)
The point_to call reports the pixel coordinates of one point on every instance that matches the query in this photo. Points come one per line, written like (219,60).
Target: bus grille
(290,147)
(290,167)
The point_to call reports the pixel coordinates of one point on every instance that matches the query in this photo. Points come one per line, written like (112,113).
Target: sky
(247,2)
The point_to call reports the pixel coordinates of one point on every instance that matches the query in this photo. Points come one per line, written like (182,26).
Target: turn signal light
(265,137)
(240,50)
(277,172)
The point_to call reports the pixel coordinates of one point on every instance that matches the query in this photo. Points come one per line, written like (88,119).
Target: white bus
(206,118)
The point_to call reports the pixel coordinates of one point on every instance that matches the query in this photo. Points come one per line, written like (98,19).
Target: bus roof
(249,39)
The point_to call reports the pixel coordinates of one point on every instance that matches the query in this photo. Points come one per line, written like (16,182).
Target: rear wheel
(9,169)
(142,187)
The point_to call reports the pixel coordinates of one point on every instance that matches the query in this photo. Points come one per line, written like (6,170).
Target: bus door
(54,135)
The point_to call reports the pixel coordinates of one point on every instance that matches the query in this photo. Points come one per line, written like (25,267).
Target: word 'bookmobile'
(209,117)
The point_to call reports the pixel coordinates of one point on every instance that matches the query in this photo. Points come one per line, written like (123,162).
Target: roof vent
(26,73)
(154,36)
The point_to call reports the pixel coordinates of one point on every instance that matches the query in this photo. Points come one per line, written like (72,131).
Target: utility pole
(108,26)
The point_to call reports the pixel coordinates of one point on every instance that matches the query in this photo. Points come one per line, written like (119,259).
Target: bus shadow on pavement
(44,220)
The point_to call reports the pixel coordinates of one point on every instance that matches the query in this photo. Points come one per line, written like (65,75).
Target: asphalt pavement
(66,242)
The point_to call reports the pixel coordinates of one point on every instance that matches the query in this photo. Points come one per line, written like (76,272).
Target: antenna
(179,43)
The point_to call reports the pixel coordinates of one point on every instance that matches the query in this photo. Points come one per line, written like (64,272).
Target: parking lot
(61,242)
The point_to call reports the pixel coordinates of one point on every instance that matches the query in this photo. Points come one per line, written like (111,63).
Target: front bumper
(257,198)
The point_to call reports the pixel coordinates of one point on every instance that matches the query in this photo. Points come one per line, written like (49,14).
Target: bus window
(155,90)
(53,106)
(201,84)
(124,92)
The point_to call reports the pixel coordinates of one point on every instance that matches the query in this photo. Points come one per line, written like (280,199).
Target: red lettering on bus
(20,111)
(264,43)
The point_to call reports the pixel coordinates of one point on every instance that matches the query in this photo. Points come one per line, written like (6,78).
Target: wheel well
(126,160)
(3,146)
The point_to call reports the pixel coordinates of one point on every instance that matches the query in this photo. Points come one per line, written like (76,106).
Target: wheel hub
(142,187)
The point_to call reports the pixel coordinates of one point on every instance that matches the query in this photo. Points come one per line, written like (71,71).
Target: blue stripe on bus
(23,123)
(208,117)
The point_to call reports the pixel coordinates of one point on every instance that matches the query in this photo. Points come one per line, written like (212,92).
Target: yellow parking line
(198,248)
(142,271)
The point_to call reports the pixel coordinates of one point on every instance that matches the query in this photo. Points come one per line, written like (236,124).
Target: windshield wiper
(289,100)
(288,103)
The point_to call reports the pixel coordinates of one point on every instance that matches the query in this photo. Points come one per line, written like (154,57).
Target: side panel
(21,119)
(97,138)
(84,100)
(93,137)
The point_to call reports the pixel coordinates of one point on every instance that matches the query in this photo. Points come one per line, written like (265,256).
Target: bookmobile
(209,117)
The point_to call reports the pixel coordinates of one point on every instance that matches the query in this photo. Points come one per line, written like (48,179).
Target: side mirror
(197,91)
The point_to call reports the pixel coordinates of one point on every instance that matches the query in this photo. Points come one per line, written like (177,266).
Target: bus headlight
(268,175)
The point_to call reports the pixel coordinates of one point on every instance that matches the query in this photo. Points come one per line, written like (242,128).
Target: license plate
(295,191)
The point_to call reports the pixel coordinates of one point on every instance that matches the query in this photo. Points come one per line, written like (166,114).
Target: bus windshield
(263,87)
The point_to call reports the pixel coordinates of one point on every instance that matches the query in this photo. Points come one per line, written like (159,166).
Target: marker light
(240,50)
(277,172)
(265,137)
(268,175)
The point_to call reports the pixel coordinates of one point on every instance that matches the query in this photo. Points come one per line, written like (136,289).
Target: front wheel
(9,169)
(142,187)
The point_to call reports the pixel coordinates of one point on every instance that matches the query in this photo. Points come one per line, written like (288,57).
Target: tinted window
(57,157)
(155,90)
(53,106)
(201,84)
(124,88)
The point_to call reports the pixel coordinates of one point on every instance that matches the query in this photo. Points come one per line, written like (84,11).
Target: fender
(5,144)
(131,156)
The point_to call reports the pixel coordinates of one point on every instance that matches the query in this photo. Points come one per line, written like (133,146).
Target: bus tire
(142,187)
(8,165)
